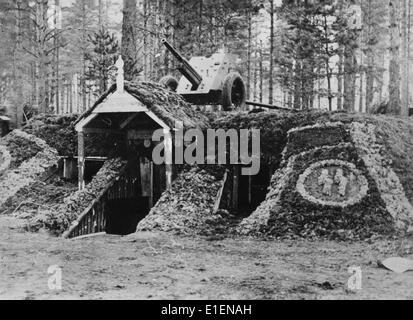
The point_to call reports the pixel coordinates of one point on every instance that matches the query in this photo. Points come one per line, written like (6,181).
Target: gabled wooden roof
(151,98)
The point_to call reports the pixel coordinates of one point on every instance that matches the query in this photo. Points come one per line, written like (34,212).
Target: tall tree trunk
(129,38)
(261,72)
(272,38)
(341,55)
(84,40)
(145,40)
(256,67)
(350,61)
(297,84)
(319,93)
(101,17)
(200,20)
(57,55)
(340,79)
(349,78)
(405,62)
(17,72)
(249,50)
(369,82)
(289,91)
(327,66)
(394,69)
(361,73)
(174,20)
(42,17)
(370,57)
(409,5)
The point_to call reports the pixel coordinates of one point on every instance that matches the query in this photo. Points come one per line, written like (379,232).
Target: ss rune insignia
(333,182)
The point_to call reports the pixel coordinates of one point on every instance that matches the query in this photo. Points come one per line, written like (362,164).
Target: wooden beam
(152,185)
(168,157)
(145,174)
(235,187)
(127,121)
(218,199)
(140,134)
(81,159)
(103,131)
(155,118)
(83,123)
(269,106)
(87,158)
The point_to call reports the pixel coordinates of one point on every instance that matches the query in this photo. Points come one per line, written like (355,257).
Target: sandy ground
(161,266)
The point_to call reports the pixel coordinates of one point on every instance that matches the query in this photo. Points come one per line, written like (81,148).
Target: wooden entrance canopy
(121,112)
(137,109)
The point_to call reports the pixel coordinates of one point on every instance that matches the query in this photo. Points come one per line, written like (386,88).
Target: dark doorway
(123,215)
(133,196)
(253,190)
(4,128)
(92,167)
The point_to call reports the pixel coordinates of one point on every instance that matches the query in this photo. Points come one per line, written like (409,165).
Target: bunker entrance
(131,198)
(123,216)
(248,192)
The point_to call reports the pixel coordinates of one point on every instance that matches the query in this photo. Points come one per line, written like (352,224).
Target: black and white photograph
(172,151)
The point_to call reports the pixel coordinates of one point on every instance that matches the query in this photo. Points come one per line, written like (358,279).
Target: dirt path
(159,266)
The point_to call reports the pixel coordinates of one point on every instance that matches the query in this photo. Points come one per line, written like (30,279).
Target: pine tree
(130,39)
(394,69)
(101,61)
(76,45)
(405,60)
(301,53)
(373,47)
(272,39)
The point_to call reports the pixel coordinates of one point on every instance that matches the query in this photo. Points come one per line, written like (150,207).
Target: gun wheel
(170,82)
(233,92)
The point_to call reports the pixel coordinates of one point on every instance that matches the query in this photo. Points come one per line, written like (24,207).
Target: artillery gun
(208,80)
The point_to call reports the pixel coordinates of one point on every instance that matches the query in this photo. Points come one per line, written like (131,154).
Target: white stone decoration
(339,183)
(120,78)
(320,125)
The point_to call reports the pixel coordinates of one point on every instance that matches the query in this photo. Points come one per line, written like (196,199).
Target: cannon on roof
(210,80)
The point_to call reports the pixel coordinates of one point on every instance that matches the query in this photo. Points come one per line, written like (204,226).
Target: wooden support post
(168,157)
(235,187)
(152,185)
(81,159)
(249,190)
(145,174)
(69,168)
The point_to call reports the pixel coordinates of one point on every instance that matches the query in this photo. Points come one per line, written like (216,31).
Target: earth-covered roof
(166,105)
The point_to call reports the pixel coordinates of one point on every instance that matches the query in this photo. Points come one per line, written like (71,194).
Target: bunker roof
(166,105)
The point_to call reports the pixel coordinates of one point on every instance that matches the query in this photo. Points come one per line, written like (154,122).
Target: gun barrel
(172,50)
(185,68)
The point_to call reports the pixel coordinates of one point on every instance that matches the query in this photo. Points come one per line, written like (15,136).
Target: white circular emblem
(334,183)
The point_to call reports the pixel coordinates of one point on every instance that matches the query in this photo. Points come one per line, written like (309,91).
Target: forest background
(57,56)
